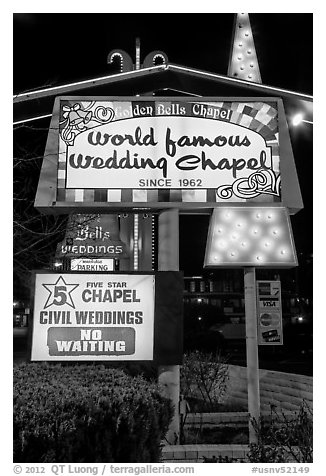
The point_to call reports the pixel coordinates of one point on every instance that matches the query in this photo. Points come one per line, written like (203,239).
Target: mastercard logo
(270,319)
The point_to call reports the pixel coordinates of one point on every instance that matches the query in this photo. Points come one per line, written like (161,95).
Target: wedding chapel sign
(153,153)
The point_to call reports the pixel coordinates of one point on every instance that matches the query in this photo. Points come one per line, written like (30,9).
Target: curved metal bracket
(126,63)
(152,58)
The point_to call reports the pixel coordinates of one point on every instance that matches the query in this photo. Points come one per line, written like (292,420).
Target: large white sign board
(134,150)
(93,317)
(153,153)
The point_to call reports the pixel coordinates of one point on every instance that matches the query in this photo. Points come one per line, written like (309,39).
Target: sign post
(168,260)
(252,352)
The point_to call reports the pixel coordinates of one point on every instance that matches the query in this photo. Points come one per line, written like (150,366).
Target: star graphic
(60,293)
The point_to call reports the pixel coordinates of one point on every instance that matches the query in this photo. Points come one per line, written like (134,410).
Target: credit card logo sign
(269,313)
(271,336)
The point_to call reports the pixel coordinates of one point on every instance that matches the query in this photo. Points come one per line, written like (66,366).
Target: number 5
(60,292)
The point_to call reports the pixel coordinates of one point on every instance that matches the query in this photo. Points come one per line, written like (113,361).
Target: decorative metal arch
(126,63)
(151,58)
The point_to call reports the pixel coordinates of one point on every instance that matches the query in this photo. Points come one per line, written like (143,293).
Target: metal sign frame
(50,199)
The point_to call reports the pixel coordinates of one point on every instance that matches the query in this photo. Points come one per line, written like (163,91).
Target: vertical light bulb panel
(250,236)
(243,62)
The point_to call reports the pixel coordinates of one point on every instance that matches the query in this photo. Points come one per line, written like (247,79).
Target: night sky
(53,49)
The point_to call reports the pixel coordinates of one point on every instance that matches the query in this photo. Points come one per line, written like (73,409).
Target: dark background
(51,49)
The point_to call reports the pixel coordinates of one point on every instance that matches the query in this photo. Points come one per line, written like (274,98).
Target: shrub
(86,413)
(283,438)
(204,376)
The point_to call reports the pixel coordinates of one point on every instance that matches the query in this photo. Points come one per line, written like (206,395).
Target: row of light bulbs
(261,258)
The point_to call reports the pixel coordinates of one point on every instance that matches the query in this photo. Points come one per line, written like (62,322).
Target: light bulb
(297,119)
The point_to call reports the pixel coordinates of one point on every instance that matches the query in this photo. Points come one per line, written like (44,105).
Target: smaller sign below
(92,264)
(116,317)
(269,313)
(93,317)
